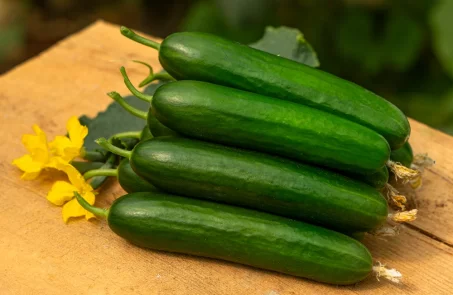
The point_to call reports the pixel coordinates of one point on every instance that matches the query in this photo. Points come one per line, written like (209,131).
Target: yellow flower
(69,147)
(39,157)
(43,154)
(62,192)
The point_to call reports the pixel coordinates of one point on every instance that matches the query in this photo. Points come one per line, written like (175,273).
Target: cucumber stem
(100,172)
(111,148)
(128,33)
(120,100)
(98,181)
(127,134)
(92,156)
(95,210)
(153,77)
(131,87)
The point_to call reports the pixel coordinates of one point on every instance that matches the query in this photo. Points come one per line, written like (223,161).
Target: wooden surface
(39,253)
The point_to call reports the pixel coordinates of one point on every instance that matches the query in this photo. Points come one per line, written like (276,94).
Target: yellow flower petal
(62,147)
(31,168)
(69,147)
(89,215)
(74,177)
(73,208)
(58,146)
(77,132)
(61,192)
(37,141)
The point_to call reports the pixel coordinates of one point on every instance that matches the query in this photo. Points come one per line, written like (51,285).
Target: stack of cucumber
(257,159)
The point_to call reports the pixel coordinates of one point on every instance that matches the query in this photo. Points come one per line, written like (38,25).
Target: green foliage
(239,20)
(289,43)
(11,38)
(441,22)
(374,46)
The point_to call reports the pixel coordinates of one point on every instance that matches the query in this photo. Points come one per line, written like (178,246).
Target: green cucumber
(248,120)
(130,181)
(205,57)
(377,179)
(159,129)
(259,181)
(127,178)
(403,155)
(171,223)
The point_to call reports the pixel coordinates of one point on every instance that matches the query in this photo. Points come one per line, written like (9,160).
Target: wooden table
(39,253)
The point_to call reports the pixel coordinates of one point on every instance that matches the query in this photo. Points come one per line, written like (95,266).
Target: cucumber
(127,178)
(205,57)
(248,120)
(250,179)
(377,179)
(130,181)
(171,223)
(157,128)
(403,155)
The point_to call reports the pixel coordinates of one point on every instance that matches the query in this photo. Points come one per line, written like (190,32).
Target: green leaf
(289,43)
(441,22)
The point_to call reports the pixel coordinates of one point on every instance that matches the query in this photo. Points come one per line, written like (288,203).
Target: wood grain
(41,254)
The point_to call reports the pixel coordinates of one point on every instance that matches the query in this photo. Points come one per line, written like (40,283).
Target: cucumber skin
(258,181)
(170,223)
(403,155)
(130,181)
(157,128)
(377,179)
(205,57)
(248,120)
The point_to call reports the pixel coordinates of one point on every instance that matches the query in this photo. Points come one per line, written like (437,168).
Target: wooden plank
(42,254)
(434,199)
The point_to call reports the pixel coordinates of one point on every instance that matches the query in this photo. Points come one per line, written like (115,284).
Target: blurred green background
(401,49)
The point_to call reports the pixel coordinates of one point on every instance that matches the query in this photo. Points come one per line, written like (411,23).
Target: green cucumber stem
(95,210)
(111,148)
(164,76)
(128,33)
(127,134)
(92,156)
(132,89)
(100,172)
(120,100)
(150,76)
(98,181)
(153,77)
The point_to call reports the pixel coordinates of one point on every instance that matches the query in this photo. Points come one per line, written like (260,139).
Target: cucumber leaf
(289,43)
